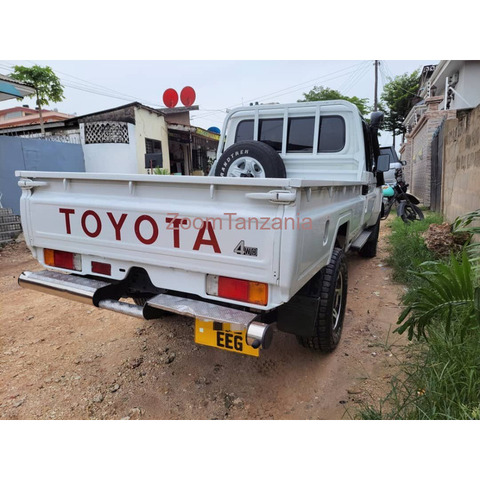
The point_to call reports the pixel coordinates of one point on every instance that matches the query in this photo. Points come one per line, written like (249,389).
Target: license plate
(225,336)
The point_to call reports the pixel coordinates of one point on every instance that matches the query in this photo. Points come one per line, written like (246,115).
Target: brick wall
(417,149)
(461,165)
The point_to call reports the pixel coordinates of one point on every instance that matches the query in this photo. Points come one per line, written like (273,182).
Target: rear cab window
(300,133)
(332,134)
(244,131)
(271,132)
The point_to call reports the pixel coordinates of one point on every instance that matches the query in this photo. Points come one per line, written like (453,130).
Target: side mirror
(383,163)
(376,118)
(403,162)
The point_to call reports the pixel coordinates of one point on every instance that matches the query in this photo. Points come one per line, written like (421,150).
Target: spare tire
(250,159)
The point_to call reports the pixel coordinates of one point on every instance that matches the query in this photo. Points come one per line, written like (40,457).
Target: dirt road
(64,360)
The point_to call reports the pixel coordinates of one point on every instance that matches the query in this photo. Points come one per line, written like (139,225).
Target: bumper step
(201,310)
(90,291)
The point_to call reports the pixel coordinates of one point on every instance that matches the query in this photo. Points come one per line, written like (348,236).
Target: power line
(292,89)
(391,78)
(303,84)
(360,75)
(348,83)
(388,71)
(383,74)
(87,82)
(102,91)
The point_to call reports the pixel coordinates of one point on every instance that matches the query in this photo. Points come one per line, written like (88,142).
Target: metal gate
(28,154)
(436,172)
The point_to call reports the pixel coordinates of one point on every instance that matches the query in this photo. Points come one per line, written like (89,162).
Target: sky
(96,85)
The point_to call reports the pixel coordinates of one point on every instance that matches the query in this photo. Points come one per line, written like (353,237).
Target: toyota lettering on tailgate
(92,224)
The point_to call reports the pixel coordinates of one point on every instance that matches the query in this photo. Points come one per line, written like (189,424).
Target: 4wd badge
(241,249)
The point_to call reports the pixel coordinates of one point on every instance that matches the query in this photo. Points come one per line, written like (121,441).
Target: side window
(300,134)
(244,131)
(271,132)
(332,134)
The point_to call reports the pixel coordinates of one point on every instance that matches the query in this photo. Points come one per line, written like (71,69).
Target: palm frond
(448,291)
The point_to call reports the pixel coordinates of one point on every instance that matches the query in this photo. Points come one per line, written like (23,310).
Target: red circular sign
(187,96)
(170,97)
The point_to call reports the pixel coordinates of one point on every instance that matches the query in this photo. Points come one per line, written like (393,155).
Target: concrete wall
(150,125)
(183,118)
(461,165)
(110,157)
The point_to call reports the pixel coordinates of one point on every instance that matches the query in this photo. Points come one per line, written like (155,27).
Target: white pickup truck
(259,242)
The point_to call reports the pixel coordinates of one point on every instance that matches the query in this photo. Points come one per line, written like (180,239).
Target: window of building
(13,115)
(300,134)
(332,134)
(153,146)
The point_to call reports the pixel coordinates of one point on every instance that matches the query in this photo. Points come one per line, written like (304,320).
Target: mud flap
(298,316)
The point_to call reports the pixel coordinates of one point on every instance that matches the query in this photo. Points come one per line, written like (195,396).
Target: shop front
(192,149)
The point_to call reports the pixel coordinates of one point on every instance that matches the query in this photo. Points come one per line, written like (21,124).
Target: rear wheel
(331,290)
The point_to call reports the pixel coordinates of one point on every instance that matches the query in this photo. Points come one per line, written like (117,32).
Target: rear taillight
(102,268)
(236,289)
(61,259)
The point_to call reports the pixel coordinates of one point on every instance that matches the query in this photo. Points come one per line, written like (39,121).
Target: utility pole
(375,101)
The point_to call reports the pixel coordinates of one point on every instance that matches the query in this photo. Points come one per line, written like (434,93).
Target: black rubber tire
(369,250)
(264,154)
(409,212)
(328,327)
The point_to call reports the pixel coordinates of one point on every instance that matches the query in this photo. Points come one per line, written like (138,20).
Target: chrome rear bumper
(92,292)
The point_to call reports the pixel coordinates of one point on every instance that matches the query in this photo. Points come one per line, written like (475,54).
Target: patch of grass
(440,382)
(407,249)
(440,378)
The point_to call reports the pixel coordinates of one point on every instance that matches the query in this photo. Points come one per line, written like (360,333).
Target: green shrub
(407,249)
(442,314)
(446,295)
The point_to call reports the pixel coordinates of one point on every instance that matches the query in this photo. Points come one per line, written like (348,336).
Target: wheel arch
(341,236)
(342,233)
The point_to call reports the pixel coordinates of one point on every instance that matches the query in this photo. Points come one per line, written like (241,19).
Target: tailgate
(201,225)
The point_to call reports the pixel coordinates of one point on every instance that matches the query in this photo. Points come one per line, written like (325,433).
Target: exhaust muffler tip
(259,334)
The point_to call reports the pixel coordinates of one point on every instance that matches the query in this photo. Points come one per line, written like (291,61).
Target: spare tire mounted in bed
(250,159)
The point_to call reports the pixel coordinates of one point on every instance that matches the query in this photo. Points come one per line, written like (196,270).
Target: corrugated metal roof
(10,88)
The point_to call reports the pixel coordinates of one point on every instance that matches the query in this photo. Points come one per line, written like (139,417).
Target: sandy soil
(64,360)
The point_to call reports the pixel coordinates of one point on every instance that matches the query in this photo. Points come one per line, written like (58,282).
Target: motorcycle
(407,203)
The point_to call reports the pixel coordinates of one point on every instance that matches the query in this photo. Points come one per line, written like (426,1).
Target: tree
(46,84)
(398,96)
(326,93)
